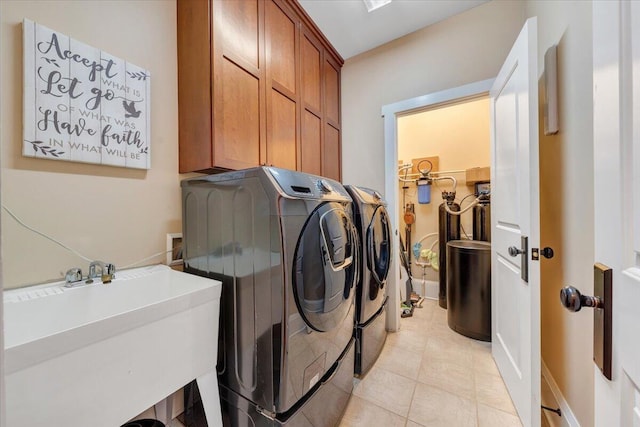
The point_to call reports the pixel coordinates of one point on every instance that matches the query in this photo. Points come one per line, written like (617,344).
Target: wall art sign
(82,104)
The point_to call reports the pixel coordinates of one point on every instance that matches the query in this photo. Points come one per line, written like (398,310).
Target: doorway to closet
(450,143)
(394,114)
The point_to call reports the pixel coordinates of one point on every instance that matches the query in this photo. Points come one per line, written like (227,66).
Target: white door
(515,287)
(616,121)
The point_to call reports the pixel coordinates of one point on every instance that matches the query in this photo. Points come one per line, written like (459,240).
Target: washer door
(378,243)
(325,266)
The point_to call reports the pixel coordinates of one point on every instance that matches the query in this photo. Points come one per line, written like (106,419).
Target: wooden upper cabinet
(257,84)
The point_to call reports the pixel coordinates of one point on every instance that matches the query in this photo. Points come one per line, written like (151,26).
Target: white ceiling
(353,30)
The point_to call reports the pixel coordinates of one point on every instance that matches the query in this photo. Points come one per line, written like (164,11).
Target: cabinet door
(331,153)
(282,85)
(238,83)
(332,92)
(311,66)
(331,149)
(311,146)
(194,85)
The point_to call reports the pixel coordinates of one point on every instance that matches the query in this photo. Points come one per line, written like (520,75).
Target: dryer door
(325,267)
(378,241)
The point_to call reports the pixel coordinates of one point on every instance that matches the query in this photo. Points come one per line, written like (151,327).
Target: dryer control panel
(365,195)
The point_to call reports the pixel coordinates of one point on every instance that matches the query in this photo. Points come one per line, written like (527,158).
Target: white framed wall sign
(82,104)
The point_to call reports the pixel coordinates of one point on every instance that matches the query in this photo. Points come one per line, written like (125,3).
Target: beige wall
(566,202)
(463,49)
(438,132)
(112,214)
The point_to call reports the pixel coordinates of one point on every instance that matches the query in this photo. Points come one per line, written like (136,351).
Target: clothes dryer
(373,225)
(286,250)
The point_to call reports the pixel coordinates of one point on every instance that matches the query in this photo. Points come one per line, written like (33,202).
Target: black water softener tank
(449,229)
(469,288)
(482,221)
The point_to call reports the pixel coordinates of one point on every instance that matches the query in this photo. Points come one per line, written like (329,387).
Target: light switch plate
(550,104)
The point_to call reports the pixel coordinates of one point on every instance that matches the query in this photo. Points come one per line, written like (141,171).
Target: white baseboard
(553,398)
(426,288)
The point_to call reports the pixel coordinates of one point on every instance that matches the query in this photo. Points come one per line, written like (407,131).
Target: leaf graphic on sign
(38,146)
(51,61)
(139,76)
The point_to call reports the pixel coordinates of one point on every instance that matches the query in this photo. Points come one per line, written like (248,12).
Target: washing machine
(286,250)
(373,225)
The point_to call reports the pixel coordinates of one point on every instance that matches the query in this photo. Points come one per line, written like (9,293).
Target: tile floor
(428,375)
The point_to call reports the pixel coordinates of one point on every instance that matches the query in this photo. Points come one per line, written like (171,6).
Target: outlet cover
(174,248)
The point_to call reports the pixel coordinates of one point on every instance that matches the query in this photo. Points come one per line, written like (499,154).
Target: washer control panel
(324,186)
(299,184)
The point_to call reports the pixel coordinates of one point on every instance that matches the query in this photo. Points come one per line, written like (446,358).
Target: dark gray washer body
(373,225)
(244,228)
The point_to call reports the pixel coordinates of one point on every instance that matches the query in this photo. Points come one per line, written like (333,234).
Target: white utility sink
(99,354)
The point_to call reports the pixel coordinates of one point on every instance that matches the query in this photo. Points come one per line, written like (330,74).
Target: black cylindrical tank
(449,229)
(469,288)
(482,222)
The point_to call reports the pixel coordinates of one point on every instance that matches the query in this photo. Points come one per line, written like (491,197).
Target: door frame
(390,114)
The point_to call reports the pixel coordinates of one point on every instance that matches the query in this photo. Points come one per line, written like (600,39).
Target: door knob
(547,252)
(513,251)
(573,300)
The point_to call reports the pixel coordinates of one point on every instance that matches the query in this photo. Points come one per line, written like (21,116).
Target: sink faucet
(106,271)
(97,269)
(94,266)
(73,277)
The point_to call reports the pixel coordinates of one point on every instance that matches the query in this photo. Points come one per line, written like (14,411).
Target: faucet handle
(111,269)
(72,276)
(109,273)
